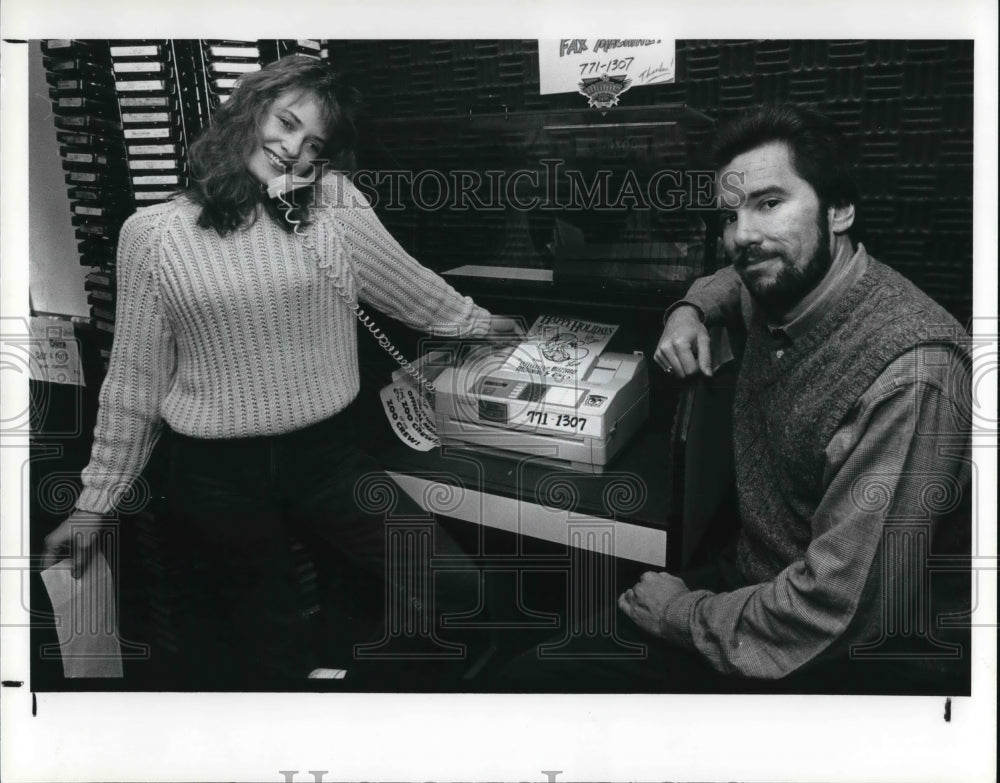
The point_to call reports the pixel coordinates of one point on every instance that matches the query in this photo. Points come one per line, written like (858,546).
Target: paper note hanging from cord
(409,411)
(409,415)
(85,614)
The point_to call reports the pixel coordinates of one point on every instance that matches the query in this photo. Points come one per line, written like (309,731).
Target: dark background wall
(907,106)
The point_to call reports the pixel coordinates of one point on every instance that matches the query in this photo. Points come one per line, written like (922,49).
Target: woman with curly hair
(236,329)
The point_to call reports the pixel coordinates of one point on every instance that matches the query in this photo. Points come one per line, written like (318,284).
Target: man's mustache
(748,256)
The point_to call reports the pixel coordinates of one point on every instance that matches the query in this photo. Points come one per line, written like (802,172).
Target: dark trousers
(663,668)
(606,669)
(236,507)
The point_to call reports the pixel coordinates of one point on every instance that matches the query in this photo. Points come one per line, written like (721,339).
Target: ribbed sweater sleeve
(139,376)
(391,280)
(251,333)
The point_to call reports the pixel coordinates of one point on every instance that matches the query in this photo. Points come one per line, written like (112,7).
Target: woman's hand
(504,328)
(72,538)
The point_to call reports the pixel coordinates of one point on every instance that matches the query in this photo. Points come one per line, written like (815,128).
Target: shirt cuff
(675,622)
(683,303)
(95,501)
(480,322)
(474,323)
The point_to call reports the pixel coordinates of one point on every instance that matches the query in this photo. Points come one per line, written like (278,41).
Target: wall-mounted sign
(55,352)
(603,68)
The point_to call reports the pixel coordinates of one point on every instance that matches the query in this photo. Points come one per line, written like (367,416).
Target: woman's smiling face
(292,135)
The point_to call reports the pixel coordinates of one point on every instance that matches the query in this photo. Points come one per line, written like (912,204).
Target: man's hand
(505,328)
(59,543)
(684,349)
(644,603)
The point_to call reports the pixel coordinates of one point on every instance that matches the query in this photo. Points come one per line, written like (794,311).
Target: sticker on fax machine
(567,422)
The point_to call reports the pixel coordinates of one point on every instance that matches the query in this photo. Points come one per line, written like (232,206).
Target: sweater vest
(789,404)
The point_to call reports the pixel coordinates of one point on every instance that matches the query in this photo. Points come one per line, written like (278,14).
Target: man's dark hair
(818,150)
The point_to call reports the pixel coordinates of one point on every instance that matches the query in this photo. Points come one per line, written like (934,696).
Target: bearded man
(852,409)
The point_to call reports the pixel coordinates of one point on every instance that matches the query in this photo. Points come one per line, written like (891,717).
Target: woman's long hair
(221,184)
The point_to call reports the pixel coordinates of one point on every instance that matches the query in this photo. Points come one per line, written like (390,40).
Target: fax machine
(494,402)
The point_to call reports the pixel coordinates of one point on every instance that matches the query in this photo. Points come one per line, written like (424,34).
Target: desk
(625,512)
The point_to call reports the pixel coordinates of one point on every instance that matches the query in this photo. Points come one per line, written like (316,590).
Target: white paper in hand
(87,623)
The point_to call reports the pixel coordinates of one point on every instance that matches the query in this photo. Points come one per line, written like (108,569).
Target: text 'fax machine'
(556,395)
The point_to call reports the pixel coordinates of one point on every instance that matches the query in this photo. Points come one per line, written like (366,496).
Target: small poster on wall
(603,68)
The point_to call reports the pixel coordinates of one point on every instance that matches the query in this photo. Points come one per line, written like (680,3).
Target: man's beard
(791,284)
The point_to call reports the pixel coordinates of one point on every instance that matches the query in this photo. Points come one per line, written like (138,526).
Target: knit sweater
(251,333)
(790,402)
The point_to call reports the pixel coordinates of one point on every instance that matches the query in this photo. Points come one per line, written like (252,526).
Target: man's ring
(670,369)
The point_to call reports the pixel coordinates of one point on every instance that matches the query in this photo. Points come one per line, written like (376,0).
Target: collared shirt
(909,429)
(845,271)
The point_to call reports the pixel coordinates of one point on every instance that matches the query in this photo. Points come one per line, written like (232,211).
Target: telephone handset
(280,186)
(277,188)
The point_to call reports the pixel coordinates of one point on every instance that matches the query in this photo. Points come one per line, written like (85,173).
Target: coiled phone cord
(384,341)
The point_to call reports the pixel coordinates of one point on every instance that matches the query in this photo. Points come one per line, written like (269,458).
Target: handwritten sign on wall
(54,352)
(603,68)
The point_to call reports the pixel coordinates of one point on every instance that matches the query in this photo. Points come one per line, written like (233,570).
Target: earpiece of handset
(279,186)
